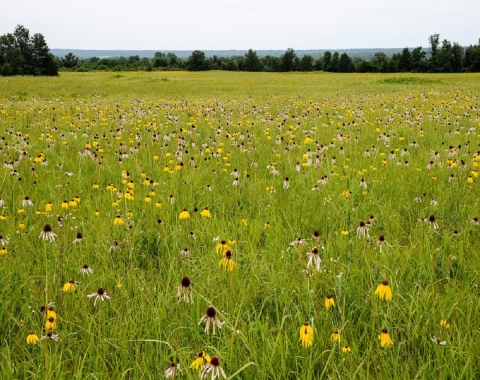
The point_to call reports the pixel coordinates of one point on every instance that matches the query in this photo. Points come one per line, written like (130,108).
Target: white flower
(99,294)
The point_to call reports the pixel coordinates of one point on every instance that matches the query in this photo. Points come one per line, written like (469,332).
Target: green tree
(327,61)
(472,58)
(197,61)
(434,41)
(306,63)
(334,62)
(405,61)
(418,61)
(345,64)
(251,62)
(287,60)
(43,60)
(70,61)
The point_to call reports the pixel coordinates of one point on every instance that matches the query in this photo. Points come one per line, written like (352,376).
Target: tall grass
(139,122)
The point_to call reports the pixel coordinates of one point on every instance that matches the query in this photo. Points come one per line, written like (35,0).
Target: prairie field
(252,225)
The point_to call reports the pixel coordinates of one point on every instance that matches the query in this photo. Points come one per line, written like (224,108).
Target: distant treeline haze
(442,57)
(21,54)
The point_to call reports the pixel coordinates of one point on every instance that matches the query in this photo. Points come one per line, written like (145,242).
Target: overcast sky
(243,24)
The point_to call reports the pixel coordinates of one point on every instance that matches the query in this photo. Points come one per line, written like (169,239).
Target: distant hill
(361,53)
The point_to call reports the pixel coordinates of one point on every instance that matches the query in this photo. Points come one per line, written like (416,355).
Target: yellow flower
(69,286)
(117,221)
(3,250)
(206,213)
(184,214)
(97,213)
(243,222)
(267,225)
(346,349)
(21,226)
(306,334)
(329,302)
(227,262)
(147,199)
(385,339)
(32,338)
(49,207)
(384,291)
(444,324)
(158,205)
(344,232)
(335,337)
(469,180)
(222,248)
(21,211)
(131,185)
(64,205)
(201,360)
(51,323)
(72,203)
(95,186)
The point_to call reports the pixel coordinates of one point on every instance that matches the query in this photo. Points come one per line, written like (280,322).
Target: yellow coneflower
(335,337)
(306,334)
(329,301)
(32,338)
(201,360)
(222,248)
(227,262)
(50,311)
(147,199)
(97,213)
(3,250)
(64,205)
(346,349)
(49,207)
(184,214)
(344,232)
(158,205)
(385,339)
(95,186)
(243,222)
(206,213)
(70,286)
(51,323)
(384,291)
(118,221)
(444,324)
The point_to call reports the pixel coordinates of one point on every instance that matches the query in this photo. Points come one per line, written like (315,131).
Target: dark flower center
(211,312)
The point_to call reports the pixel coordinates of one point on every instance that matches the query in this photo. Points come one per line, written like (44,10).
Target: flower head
(306,334)
(385,339)
(335,337)
(223,247)
(184,214)
(173,370)
(329,301)
(100,294)
(47,233)
(227,261)
(211,318)
(213,367)
(314,259)
(444,324)
(118,221)
(50,336)
(184,290)
(384,291)
(201,360)
(70,286)
(32,338)
(346,349)
(206,213)
(86,270)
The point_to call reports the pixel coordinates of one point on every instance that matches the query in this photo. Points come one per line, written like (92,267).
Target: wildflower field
(236,225)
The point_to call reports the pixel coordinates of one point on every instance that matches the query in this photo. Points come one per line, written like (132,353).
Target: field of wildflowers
(234,225)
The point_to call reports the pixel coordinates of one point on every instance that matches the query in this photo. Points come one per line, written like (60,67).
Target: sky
(243,24)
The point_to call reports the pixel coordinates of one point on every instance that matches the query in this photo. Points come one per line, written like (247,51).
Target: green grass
(227,121)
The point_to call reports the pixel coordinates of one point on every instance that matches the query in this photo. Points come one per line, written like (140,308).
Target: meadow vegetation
(321,187)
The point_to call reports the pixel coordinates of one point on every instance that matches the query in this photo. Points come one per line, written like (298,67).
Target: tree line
(22,54)
(441,57)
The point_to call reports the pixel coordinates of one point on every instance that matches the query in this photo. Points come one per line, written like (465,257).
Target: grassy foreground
(379,173)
